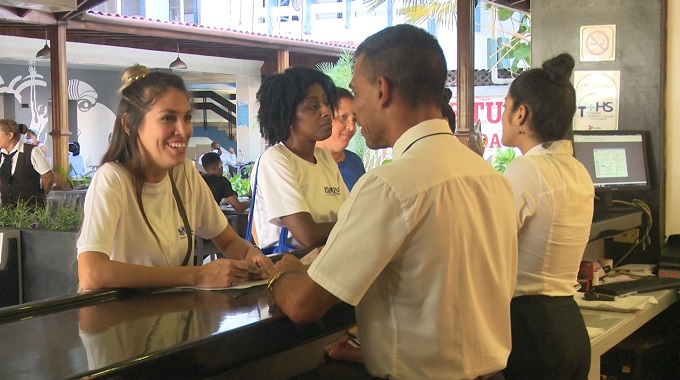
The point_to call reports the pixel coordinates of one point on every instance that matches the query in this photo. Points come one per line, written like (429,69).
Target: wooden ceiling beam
(28,17)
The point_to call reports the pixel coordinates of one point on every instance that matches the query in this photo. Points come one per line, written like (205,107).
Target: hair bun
(23,128)
(132,74)
(559,68)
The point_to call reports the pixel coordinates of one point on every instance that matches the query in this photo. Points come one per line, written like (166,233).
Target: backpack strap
(283,236)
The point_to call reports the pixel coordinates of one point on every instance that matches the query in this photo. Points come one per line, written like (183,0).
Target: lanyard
(422,137)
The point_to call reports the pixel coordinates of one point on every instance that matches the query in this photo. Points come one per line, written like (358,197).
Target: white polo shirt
(554,203)
(287,184)
(114,224)
(426,248)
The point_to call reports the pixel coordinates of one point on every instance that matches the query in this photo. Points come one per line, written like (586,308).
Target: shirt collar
(19,147)
(557,147)
(418,131)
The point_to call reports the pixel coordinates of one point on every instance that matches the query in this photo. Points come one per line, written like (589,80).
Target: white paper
(621,304)
(243,285)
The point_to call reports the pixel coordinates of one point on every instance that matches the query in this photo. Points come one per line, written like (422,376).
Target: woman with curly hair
(299,185)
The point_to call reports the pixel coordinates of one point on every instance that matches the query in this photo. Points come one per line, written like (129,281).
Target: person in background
(299,185)
(344,126)
(32,138)
(228,157)
(146,200)
(554,207)
(25,173)
(75,160)
(412,259)
(218,184)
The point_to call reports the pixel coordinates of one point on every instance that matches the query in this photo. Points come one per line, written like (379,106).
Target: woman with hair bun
(25,173)
(146,200)
(554,203)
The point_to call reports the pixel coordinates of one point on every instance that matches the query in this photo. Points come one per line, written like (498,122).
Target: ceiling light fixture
(44,53)
(178,63)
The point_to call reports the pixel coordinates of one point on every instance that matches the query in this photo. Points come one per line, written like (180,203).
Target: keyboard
(643,285)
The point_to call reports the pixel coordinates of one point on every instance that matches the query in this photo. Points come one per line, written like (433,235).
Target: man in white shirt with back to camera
(425,247)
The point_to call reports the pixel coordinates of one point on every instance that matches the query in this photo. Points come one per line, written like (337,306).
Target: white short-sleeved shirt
(426,248)
(554,203)
(114,225)
(38,159)
(287,184)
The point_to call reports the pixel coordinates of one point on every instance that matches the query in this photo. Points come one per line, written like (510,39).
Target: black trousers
(549,339)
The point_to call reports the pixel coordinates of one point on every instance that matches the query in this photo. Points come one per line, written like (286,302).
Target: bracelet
(272,281)
(245,251)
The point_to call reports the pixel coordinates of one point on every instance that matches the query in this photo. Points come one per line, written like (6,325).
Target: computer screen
(615,160)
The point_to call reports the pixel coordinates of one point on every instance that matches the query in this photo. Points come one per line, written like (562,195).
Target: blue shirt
(77,166)
(351,168)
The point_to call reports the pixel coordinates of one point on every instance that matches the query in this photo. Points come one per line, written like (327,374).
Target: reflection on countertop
(170,334)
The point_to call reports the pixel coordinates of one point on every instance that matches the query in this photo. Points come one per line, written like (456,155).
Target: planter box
(49,265)
(10,267)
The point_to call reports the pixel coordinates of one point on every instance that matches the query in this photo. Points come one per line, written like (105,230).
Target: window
(328,16)
(132,7)
(108,6)
(175,11)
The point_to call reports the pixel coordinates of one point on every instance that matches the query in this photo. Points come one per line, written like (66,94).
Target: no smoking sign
(598,43)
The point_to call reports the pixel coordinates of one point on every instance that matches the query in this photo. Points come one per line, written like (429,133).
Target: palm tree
(443,13)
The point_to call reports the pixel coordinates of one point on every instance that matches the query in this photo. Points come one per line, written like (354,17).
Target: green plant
(518,49)
(6,215)
(503,158)
(23,215)
(74,183)
(240,185)
(444,14)
(341,71)
(66,218)
(42,218)
(246,170)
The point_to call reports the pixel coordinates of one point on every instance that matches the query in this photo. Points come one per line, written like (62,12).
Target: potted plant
(48,247)
(502,158)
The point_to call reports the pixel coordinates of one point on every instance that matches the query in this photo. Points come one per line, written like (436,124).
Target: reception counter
(182,334)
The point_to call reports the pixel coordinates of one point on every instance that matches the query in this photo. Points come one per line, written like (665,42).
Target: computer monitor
(615,160)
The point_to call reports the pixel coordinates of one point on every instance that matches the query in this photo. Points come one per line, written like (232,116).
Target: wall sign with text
(597,100)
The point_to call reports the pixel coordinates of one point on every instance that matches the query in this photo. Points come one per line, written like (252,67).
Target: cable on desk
(643,238)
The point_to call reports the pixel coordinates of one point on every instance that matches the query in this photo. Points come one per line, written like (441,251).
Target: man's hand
(288,263)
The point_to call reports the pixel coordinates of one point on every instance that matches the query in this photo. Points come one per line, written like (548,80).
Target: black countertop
(151,334)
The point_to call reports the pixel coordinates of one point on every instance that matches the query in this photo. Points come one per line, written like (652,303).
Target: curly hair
(280,94)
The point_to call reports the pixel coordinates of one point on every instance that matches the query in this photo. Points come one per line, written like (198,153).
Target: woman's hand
(224,273)
(264,263)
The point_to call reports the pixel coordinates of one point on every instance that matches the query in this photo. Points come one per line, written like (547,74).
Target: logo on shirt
(330,190)
(182,232)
